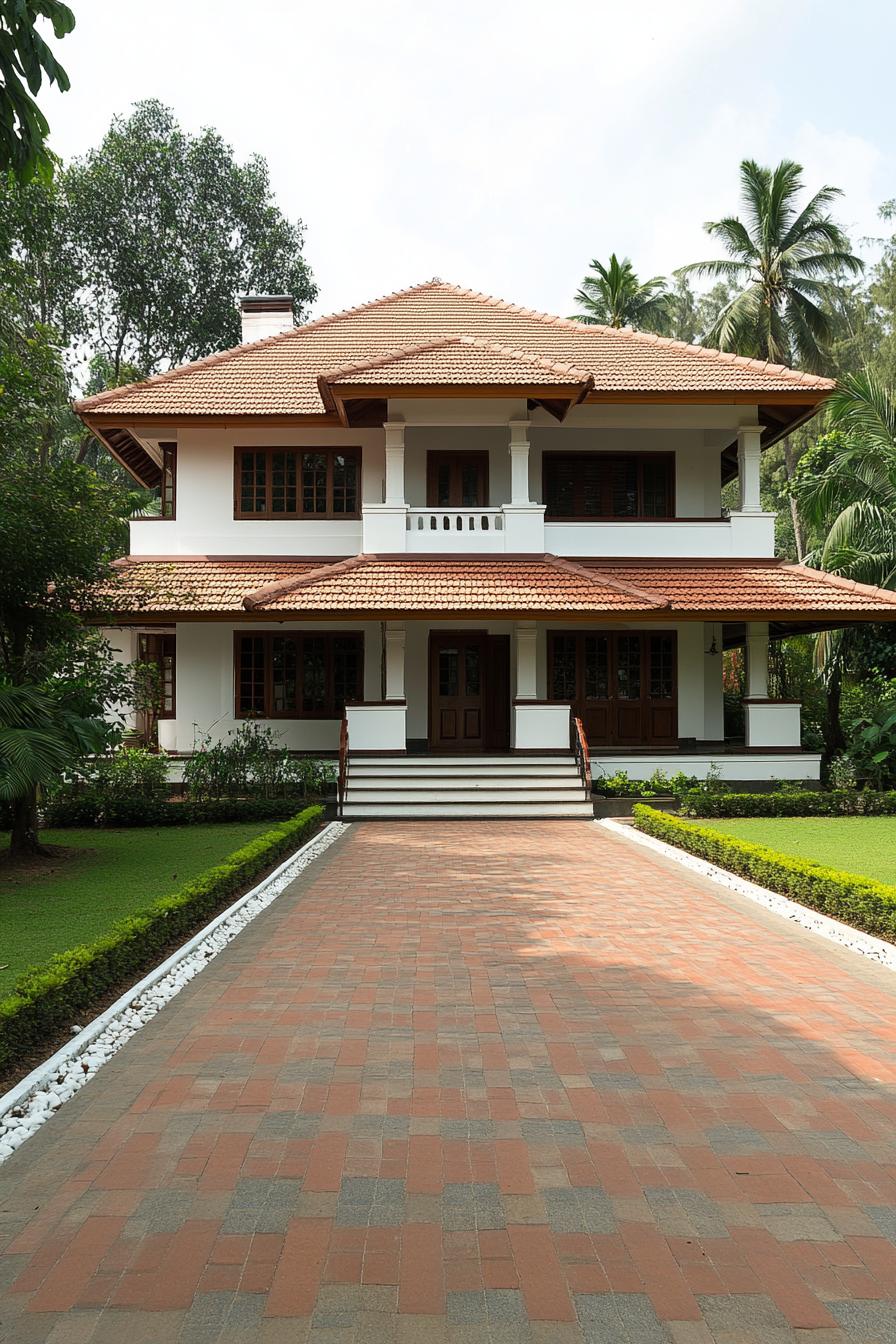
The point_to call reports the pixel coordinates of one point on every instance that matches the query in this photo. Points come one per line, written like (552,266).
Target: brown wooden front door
(622,685)
(469,695)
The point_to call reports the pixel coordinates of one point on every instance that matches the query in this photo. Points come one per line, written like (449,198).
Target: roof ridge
(262,595)
(570,566)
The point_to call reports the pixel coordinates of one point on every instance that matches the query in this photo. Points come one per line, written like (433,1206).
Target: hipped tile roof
(373,586)
(465,332)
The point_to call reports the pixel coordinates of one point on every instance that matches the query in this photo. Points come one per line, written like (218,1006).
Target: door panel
(457,673)
(623,686)
(457,480)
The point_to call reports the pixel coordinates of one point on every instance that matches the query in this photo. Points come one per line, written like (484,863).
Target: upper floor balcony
(374,497)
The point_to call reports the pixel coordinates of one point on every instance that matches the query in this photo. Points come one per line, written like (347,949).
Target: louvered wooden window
(581,486)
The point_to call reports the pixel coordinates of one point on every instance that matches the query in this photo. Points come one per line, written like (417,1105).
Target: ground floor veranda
(649,693)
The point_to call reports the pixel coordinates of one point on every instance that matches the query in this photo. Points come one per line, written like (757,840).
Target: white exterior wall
(205,524)
(205,678)
(205,684)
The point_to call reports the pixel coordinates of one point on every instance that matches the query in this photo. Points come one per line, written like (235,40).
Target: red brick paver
(479,1082)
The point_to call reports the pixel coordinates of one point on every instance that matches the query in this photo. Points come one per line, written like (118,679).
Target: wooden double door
(622,685)
(469,691)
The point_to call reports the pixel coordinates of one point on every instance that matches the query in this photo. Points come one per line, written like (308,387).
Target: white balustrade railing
(455,520)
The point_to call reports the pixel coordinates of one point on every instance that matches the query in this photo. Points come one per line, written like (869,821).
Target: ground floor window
(309,675)
(622,685)
(158,650)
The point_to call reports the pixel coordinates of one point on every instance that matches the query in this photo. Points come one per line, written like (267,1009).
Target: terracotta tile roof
(459,360)
(535,585)
(743,587)
(199,584)
(279,375)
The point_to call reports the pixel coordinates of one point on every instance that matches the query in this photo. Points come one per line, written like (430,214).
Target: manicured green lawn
(865,845)
(70,900)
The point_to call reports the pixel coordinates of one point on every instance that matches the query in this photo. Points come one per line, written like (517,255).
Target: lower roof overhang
(546,588)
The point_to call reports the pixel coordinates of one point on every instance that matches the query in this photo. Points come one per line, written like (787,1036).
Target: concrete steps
(403,787)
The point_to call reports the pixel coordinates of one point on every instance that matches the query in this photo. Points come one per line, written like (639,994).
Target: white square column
(526,637)
(757,661)
(385,525)
(523,520)
(395,643)
(749,457)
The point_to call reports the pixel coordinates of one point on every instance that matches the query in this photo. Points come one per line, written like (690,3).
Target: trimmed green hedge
(49,997)
(859,901)
(792,803)
(89,809)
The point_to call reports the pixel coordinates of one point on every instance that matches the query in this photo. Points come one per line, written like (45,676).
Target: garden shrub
(252,762)
(790,802)
(47,998)
(859,901)
(618,785)
(87,809)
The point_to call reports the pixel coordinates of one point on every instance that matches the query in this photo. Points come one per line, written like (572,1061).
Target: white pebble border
(864,943)
(32,1101)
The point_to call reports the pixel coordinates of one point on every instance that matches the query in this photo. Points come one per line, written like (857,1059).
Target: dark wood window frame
(333,708)
(153,648)
(554,458)
(435,457)
(330,452)
(646,667)
(168,490)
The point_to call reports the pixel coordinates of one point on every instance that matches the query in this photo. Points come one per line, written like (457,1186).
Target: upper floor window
(297,483)
(168,489)
(609,485)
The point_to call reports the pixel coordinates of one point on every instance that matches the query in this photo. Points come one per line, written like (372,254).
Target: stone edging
(876,949)
(38,1096)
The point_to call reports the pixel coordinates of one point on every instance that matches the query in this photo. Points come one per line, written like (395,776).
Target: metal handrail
(580,750)
(342,783)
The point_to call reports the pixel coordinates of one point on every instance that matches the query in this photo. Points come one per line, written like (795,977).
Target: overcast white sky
(503,143)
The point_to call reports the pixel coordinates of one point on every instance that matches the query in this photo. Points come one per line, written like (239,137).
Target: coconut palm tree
(786,261)
(613,296)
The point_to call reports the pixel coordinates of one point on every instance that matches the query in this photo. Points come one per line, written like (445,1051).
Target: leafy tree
(59,529)
(25,58)
(846,489)
(613,296)
(168,228)
(787,262)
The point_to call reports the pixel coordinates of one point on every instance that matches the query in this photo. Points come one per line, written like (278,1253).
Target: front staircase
(406,787)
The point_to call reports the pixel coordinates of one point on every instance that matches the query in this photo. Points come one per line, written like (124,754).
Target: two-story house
(456,523)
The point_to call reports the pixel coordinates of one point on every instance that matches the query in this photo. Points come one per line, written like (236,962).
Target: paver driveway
(479,1082)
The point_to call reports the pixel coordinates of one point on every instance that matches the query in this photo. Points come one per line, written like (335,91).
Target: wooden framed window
(297,676)
(456,480)
(168,490)
(297,483)
(160,649)
(623,685)
(580,486)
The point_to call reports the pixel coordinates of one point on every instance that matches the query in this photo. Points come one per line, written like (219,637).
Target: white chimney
(265,315)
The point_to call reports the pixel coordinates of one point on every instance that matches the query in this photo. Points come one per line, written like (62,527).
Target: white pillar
(749,455)
(395,640)
(519,462)
(526,666)
(394,461)
(757,661)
